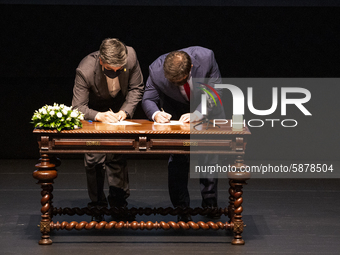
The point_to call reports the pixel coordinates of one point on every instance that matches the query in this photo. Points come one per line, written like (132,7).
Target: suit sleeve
(151,97)
(81,91)
(135,89)
(213,76)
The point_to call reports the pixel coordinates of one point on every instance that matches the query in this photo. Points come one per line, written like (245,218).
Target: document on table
(124,122)
(172,122)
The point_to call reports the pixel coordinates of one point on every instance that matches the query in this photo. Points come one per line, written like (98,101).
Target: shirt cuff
(154,114)
(95,117)
(198,114)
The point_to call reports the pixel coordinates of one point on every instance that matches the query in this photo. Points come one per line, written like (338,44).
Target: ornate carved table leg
(236,181)
(231,207)
(45,174)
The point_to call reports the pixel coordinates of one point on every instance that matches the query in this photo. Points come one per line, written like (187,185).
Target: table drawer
(123,143)
(191,144)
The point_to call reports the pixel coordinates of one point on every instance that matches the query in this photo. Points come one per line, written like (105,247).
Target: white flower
(66,117)
(74,114)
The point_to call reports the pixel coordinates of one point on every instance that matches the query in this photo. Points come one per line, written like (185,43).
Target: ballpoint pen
(164,111)
(114,113)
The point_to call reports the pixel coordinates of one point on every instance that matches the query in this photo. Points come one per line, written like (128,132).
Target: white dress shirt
(184,94)
(113,86)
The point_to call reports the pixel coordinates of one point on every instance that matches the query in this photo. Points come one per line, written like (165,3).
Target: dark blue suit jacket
(204,66)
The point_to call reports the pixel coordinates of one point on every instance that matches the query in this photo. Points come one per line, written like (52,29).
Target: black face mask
(111,73)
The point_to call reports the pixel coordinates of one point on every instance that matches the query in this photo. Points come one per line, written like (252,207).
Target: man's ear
(100,61)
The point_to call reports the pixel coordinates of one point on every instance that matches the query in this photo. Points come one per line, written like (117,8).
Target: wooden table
(145,138)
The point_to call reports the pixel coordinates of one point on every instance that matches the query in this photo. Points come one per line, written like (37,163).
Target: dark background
(41,46)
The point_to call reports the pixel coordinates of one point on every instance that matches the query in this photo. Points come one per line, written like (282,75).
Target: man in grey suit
(108,79)
(170,86)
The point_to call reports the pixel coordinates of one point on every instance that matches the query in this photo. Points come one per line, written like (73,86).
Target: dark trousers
(178,174)
(178,166)
(115,167)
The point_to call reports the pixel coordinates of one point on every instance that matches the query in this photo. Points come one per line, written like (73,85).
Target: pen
(163,111)
(114,113)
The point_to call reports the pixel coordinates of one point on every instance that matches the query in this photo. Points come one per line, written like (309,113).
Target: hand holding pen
(162,117)
(107,117)
(121,115)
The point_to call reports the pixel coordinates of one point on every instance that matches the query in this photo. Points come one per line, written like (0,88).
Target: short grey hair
(113,52)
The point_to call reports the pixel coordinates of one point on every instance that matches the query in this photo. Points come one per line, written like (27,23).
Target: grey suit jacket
(204,66)
(91,94)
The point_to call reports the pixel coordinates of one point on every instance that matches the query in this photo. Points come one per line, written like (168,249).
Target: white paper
(172,122)
(124,123)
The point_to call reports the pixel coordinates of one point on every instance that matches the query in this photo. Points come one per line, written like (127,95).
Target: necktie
(187,90)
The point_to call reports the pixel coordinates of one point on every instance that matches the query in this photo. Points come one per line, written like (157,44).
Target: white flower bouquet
(57,117)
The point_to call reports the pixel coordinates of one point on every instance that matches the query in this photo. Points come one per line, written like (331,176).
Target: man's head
(177,66)
(112,53)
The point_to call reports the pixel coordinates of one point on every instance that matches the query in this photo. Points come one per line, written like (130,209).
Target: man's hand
(162,117)
(185,118)
(121,115)
(107,117)
(189,117)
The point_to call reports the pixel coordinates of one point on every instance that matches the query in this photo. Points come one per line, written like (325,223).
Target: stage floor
(283,216)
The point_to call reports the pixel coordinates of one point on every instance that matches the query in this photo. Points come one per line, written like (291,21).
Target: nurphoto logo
(238,104)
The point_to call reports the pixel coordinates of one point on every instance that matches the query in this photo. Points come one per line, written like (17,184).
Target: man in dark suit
(108,79)
(170,86)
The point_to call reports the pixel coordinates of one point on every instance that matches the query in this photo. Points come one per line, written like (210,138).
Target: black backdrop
(41,46)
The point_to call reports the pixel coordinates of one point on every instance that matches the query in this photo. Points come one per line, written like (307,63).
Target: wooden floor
(283,216)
